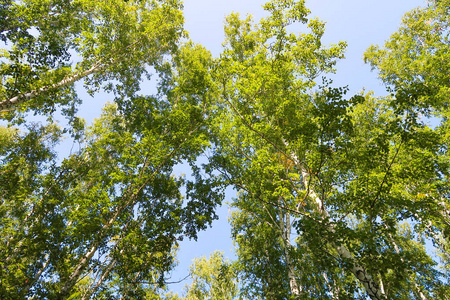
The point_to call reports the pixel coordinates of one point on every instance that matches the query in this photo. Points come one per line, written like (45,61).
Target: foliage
(113,210)
(212,278)
(105,221)
(413,64)
(347,175)
(338,196)
(112,42)
(414,61)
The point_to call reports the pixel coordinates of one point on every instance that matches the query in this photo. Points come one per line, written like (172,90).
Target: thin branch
(386,174)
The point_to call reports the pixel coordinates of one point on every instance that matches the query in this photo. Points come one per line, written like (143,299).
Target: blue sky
(359,23)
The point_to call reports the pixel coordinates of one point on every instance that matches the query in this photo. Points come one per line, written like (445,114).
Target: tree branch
(6,105)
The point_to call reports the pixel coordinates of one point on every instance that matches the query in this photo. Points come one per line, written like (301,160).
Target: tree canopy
(338,196)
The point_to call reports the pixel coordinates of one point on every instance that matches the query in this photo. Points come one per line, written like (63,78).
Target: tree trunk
(6,105)
(371,287)
(333,291)
(105,274)
(71,281)
(416,286)
(285,228)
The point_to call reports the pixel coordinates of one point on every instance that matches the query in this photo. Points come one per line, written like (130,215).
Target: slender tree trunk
(71,281)
(334,292)
(285,228)
(436,238)
(382,286)
(105,274)
(295,288)
(38,274)
(371,287)
(6,105)
(416,286)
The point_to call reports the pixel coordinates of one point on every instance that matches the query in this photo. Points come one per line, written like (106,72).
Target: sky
(360,23)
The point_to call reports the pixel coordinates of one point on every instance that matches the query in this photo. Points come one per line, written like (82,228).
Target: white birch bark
(70,283)
(382,286)
(371,287)
(105,274)
(295,288)
(38,274)
(6,105)
(334,294)
(285,228)
(416,286)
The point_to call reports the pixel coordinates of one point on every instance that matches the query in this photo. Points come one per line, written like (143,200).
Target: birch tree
(212,278)
(54,44)
(345,176)
(106,221)
(413,65)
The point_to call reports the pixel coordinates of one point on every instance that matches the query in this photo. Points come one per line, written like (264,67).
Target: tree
(413,62)
(112,212)
(413,65)
(113,41)
(212,278)
(350,175)
(105,222)
(337,194)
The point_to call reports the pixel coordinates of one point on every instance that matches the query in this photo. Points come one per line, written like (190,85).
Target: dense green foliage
(212,278)
(114,41)
(104,221)
(339,197)
(347,175)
